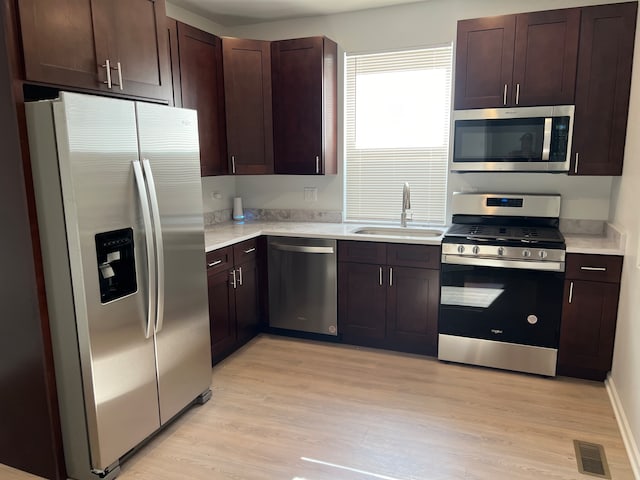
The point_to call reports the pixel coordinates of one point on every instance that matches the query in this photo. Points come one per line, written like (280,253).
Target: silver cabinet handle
(213,264)
(391,276)
(301,248)
(594,269)
(157,228)
(107,65)
(250,250)
(517,93)
(504,95)
(119,68)
(148,230)
(380,281)
(317,164)
(234,282)
(571,292)
(240,276)
(546,141)
(233,164)
(575,167)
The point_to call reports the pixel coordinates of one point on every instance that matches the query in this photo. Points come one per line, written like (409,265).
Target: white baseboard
(627,435)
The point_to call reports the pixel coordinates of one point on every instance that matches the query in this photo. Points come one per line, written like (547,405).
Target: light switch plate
(310,194)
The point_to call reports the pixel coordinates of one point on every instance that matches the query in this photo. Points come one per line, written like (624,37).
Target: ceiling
(244,12)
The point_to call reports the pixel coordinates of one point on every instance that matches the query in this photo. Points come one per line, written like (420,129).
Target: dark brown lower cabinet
(234,312)
(589,314)
(388,295)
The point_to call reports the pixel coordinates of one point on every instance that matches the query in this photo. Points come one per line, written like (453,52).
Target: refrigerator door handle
(151,265)
(157,228)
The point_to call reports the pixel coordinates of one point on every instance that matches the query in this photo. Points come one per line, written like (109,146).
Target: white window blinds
(397,120)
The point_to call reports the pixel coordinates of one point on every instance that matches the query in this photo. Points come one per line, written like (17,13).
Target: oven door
(501,304)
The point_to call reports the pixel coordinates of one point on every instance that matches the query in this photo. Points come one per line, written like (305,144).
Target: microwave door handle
(546,143)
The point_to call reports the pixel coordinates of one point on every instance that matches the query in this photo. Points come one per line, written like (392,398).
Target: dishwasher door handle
(302,248)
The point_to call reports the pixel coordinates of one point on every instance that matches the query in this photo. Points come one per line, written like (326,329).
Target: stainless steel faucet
(406,203)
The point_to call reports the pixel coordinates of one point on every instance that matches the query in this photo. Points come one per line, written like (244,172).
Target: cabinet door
(588,329)
(545,58)
(222,314)
(247,316)
(58,43)
(202,90)
(304,105)
(133,33)
(174,57)
(603,84)
(247,91)
(361,303)
(412,310)
(484,62)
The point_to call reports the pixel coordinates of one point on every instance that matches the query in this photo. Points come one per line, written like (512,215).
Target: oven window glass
(502,304)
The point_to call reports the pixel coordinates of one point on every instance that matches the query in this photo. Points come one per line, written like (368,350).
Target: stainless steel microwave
(521,139)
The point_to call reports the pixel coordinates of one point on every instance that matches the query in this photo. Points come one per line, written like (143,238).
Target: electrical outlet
(310,194)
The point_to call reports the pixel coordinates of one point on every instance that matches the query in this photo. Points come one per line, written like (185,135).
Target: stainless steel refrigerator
(119,205)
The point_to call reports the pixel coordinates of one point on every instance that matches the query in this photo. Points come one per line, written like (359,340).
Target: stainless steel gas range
(503,262)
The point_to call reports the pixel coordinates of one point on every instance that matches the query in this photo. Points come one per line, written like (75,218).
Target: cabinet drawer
(245,251)
(219,260)
(362,252)
(420,256)
(597,268)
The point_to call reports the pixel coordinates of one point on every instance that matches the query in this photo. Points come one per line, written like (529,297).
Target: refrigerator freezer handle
(151,265)
(157,229)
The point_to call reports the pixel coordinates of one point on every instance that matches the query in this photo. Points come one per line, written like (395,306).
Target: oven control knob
(475,250)
(460,248)
(526,253)
(543,254)
(500,250)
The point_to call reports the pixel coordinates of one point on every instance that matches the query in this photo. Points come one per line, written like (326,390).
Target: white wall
(626,214)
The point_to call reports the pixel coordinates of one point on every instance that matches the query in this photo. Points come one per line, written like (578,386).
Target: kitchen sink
(400,232)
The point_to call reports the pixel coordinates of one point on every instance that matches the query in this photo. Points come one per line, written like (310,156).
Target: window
(397,120)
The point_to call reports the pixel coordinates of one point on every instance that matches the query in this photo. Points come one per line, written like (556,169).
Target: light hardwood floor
(288,409)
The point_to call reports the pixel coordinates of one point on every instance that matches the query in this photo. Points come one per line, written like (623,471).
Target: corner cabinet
(517,60)
(603,86)
(116,46)
(589,314)
(234,312)
(196,58)
(247,92)
(304,76)
(388,295)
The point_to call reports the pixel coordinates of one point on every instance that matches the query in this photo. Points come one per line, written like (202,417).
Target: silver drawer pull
(250,250)
(571,293)
(213,264)
(594,269)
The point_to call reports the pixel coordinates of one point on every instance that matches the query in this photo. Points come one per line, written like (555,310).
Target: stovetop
(505,233)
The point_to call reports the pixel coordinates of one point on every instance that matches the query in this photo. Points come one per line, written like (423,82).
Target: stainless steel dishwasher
(303,284)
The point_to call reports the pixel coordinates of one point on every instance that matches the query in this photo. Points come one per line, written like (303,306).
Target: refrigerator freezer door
(169,147)
(97,143)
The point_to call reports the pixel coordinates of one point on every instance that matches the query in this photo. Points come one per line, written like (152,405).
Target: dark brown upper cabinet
(517,60)
(304,76)
(603,85)
(247,92)
(198,57)
(70,43)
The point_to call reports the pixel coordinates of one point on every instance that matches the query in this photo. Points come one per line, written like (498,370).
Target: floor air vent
(591,459)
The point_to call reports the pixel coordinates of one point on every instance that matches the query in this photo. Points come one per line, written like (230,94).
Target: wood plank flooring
(288,409)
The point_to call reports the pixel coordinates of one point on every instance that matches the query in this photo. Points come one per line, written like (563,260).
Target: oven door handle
(499,263)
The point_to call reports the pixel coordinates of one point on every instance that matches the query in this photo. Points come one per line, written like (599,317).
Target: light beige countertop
(612,242)
(225,234)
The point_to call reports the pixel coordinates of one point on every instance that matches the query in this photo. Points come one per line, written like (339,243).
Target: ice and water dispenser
(116,264)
